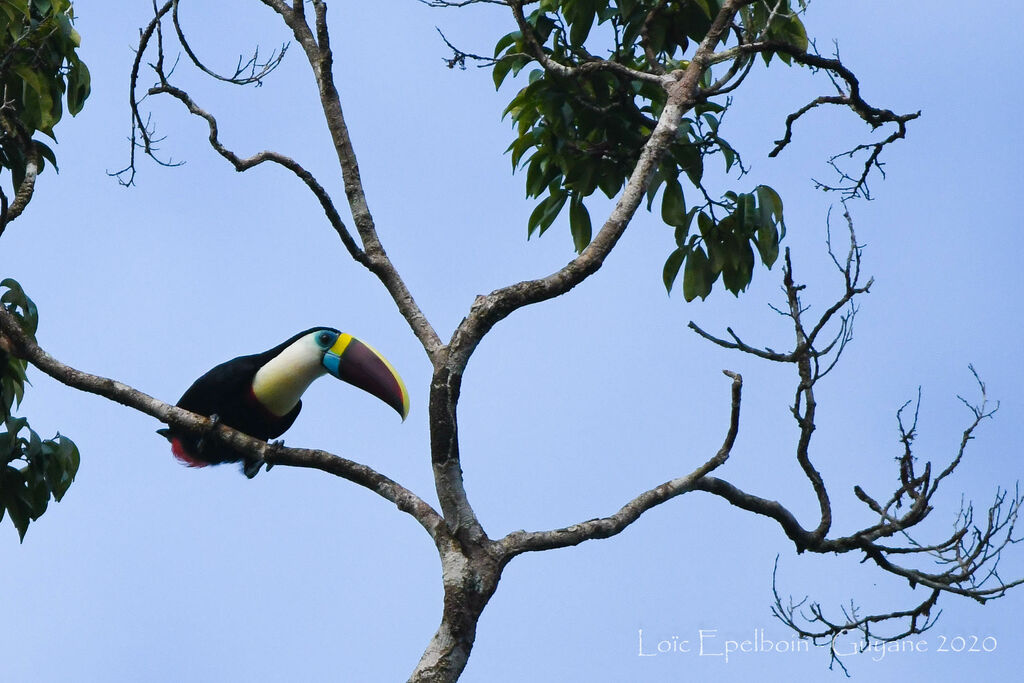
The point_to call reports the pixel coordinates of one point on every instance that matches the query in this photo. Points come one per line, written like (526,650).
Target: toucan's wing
(224,384)
(286,420)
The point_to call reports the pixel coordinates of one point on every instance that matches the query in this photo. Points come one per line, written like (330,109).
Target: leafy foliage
(32,470)
(582,133)
(725,247)
(39,69)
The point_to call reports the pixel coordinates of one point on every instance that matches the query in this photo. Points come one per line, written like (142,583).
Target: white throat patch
(280,383)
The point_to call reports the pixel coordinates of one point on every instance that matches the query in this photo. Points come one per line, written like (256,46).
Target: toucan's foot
(252,467)
(214,421)
(275,447)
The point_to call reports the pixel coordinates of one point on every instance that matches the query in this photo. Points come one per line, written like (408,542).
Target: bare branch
(808,620)
(141,128)
(460,3)
(875,117)
(519,542)
(244,164)
(981,412)
(459,57)
(318,53)
(968,557)
(805,350)
(256,69)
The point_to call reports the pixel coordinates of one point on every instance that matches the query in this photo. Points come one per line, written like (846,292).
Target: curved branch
(811,622)
(243,164)
(460,3)
(519,542)
(140,128)
(805,391)
(404,499)
(237,79)
(873,116)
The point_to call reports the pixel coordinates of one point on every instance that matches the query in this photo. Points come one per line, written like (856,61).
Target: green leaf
(682,230)
(656,180)
(12,485)
(62,467)
(728,153)
(768,244)
(536,175)
(501,69)
(15,298)
(689,158)
(712,122)
(770,201)
(579,30)
(705,225)
(673,206)
(672,265)
(738,275)
(579,224)
(79,86)
(704,6)
(748,210)
(40,107)
(795,33)
(46,153)
(507,40)
(546,212)
(697,275)
(610,184)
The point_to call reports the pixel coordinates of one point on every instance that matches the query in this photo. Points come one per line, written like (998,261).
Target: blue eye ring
(325,339)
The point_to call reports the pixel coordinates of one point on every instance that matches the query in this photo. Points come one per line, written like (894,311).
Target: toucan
(260,394)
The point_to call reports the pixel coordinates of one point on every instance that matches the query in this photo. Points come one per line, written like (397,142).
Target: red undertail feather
(183,456)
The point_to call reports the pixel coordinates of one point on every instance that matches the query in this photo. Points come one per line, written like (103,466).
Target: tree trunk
(470,579)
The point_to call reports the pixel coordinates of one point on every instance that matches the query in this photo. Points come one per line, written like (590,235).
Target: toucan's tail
(250,467)
(178,449)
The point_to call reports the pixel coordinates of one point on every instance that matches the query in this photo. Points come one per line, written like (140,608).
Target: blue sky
(152,571)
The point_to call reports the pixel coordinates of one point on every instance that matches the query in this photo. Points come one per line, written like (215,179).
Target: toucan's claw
(252,467)
(214,421)
(275,447)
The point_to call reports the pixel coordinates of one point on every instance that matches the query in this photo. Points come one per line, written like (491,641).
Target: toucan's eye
(324,339)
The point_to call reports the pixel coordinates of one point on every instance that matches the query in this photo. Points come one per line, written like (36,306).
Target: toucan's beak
(360,365)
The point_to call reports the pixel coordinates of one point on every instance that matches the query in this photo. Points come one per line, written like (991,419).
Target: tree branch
(317,49)
(563,71)
(873,116)
(257,70)
(318,53)
(519,542)
(244,164)
(968,558)
(682,87)
(405,500)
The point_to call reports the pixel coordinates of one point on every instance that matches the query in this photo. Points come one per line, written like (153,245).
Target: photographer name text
(710,642)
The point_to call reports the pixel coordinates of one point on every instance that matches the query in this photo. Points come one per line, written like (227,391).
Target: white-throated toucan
(260,394)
